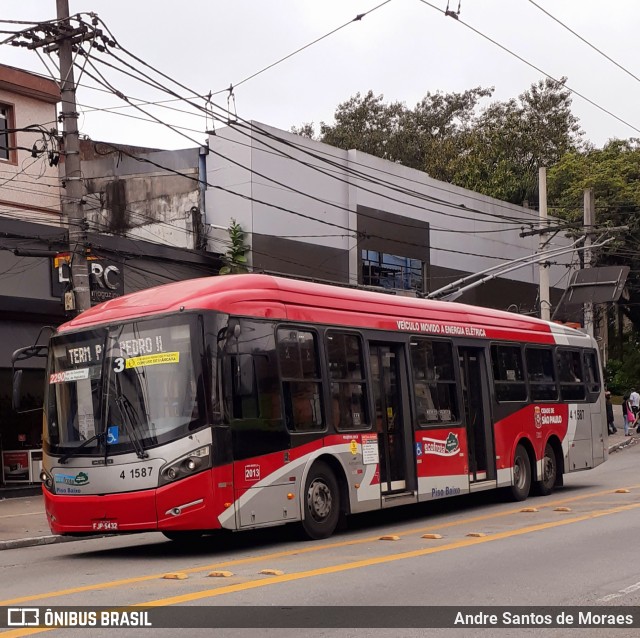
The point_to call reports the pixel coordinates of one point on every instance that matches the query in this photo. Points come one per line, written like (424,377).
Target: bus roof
(290,299)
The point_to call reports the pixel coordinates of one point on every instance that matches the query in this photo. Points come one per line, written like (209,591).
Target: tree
(614,174)
(496,150)
(512,139)
(234,259)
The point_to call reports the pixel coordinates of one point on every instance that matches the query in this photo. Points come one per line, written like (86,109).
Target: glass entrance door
(387,393)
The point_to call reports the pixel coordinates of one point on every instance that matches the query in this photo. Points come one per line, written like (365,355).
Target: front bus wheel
(545,485)
(321,502)
(521,474)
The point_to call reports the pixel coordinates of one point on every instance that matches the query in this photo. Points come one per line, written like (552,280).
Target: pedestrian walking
(634,398)
(611,426)
(627,413)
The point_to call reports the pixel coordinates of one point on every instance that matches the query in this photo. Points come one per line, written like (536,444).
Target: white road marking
(621,592)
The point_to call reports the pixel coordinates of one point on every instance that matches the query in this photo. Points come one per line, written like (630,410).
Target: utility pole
(543,268)
(73,204)
(589,222)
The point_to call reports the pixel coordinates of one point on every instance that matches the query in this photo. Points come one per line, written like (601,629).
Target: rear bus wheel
(545,485)
(321,502)
(521,474)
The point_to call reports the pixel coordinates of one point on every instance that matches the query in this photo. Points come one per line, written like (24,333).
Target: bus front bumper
(187,504)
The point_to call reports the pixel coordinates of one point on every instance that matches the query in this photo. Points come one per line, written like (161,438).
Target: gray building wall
(138,199)
(306,209)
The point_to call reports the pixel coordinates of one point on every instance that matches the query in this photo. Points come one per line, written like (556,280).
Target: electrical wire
(358,18)
(595,48)
(538,69)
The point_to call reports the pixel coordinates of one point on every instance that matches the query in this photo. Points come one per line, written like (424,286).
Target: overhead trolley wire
(595,48)
(538,69)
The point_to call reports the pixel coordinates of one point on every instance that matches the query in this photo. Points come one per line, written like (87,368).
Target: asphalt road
(583,555)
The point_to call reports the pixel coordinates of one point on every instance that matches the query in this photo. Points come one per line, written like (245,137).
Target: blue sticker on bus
(112,435)
(418,449)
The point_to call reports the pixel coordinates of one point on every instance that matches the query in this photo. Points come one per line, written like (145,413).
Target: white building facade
(316,211)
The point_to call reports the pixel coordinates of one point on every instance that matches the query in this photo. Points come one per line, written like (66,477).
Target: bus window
(570,375)
(348,388)
(434,382)
(591,372)
(255,395)
(541,375)
(301,381)
(508,373)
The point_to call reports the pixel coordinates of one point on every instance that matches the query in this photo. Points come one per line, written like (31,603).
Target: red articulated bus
(247,401)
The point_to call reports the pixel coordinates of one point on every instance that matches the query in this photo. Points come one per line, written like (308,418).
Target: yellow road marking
(291,552)
(334,569)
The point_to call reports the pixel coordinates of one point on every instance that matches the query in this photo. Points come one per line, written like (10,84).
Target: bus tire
(183,536)
(521,474)
(545,485)
(321,502)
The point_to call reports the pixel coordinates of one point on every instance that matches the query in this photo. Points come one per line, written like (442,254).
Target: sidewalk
(23,522)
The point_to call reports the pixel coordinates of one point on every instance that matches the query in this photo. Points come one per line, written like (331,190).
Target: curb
(50,539)
(622,444)
(36,540)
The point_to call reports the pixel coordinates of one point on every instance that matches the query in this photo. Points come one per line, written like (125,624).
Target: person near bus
(627,413)
(611,426)
(634,398)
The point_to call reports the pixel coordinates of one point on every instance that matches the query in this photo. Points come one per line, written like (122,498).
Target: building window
(391,271)
(5,125)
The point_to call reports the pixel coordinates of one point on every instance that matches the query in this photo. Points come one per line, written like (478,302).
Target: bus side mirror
(16,396)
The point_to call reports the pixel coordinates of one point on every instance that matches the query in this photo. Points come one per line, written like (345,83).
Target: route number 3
(118,364)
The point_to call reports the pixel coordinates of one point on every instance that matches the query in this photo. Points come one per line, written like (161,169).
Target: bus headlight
(186,465)
(46,479)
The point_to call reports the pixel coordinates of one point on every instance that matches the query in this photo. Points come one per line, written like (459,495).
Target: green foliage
(234,259)
(496,150)
(622,376)
(613,172)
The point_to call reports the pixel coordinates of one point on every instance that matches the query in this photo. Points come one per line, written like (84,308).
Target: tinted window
(255,390)
(508,374)
(541,374)
(570,375)
(301,383)
(348,387)
(592,376)
(434,382)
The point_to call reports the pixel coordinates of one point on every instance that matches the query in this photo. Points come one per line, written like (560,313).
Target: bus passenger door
(477,414)
(395,441)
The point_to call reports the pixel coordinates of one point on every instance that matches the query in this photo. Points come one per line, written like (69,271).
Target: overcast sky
(403,50)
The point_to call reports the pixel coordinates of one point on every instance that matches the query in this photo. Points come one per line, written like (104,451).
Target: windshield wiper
(125,408)
(68,455)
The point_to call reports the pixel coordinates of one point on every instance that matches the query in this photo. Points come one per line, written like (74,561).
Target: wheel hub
(319,500)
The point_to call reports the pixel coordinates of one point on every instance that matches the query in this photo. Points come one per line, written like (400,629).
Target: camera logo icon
(23,616)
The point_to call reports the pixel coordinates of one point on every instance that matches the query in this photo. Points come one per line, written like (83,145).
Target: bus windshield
(124,388)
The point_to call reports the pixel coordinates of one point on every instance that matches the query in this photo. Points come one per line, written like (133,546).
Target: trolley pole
(589,221)
(73,204)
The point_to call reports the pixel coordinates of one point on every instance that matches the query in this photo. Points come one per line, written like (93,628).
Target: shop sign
(106,277)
